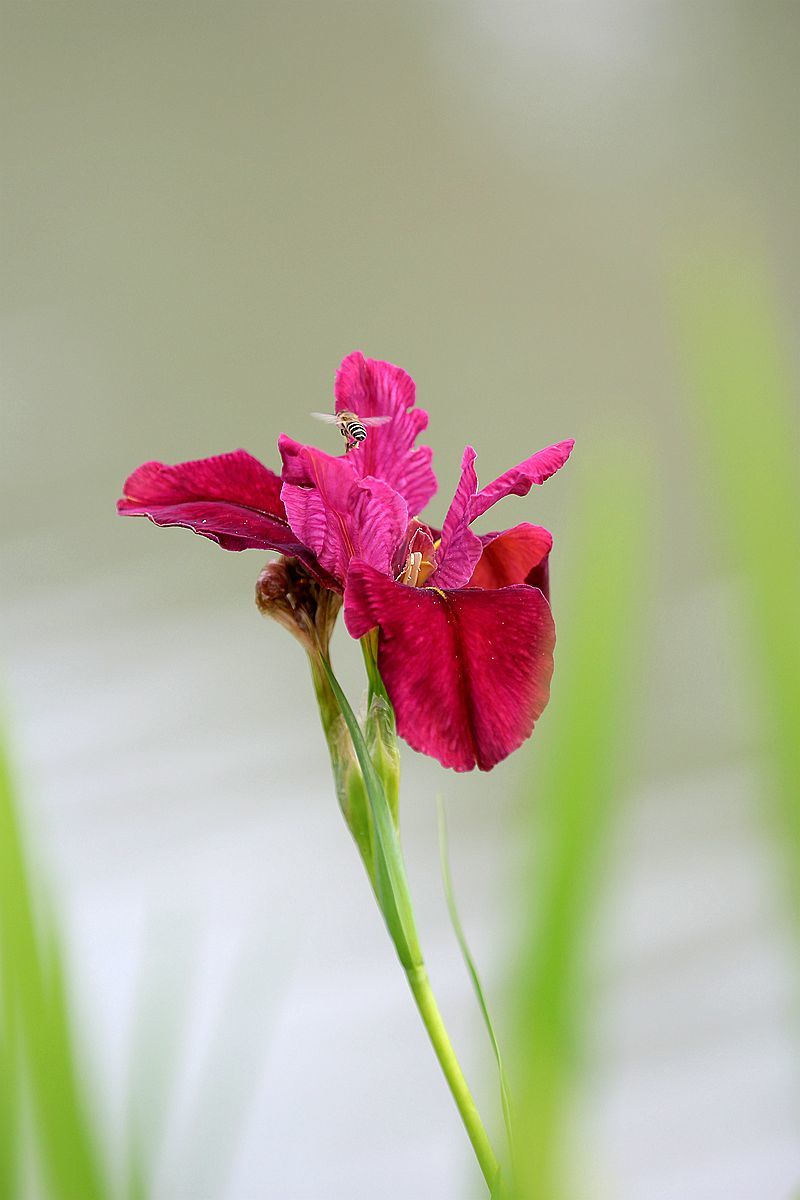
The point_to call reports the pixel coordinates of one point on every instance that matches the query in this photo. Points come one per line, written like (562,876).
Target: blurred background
(564,220)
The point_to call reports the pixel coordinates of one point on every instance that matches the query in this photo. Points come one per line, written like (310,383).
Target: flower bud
(351,790)
(380,732)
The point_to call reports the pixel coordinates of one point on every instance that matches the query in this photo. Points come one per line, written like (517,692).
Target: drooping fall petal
(371,388)
(338,515)
(512,557)
(468,671)
(460,548)
(233,499)
(519,480)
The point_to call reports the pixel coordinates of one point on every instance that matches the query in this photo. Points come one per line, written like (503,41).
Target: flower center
(416,570)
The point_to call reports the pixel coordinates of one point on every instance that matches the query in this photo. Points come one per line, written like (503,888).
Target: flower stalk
(428,1009)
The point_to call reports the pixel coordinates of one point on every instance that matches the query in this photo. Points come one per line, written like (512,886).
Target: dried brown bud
(287,592)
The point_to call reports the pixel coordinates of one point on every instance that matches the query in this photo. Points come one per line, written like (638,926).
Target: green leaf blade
(458,929)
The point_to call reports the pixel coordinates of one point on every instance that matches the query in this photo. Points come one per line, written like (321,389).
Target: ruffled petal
(338,515)
(380,517)
(303,464)
(371,388)
(520,479)
(514,556)
(460,548)
(233,499)
(468,671)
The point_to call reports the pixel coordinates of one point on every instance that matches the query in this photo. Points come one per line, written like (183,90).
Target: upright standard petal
(372,388)
(520,479)
(468,671)
(233,499)
(460,549)
(298,462)
(514,556)
(338,515)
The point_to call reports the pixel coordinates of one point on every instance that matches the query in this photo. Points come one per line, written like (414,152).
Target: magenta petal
(371,387)
(468,671)
(338,515)
(233,499)
(539,578)
(520,479)
(235,478)
(380,517)
(512,557)
(304,464)
(374,389)
(460,548)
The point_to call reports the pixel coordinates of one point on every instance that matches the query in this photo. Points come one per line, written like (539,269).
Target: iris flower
(464,630)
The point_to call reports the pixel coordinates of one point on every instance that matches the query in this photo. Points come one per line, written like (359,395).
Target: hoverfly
(352,427)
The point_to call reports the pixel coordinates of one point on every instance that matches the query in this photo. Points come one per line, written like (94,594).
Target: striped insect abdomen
(356,431)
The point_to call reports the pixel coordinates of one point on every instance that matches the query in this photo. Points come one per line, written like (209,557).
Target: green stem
(459,1088)
(369,648)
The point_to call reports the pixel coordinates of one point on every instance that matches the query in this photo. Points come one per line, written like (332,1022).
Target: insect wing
(328,418)
(372,421)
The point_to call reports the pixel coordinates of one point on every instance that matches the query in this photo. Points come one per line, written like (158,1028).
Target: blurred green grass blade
(11,1081)
(574,783)
(33,985)
(231,1071)
(136,1184)
(166,983)
(452,908)
(10,1094)
(746,415)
